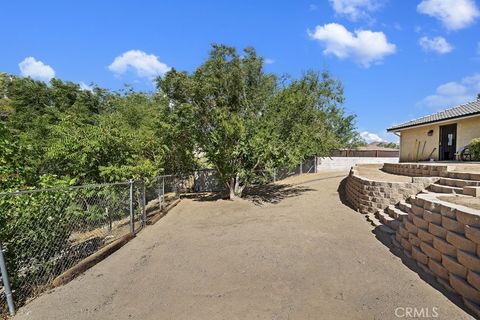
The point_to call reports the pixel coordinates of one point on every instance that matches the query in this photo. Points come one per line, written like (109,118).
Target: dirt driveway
(300,255)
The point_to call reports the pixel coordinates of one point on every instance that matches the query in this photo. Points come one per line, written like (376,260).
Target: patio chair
(464,154)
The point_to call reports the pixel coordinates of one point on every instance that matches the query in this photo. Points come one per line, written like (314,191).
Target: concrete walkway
(300,254)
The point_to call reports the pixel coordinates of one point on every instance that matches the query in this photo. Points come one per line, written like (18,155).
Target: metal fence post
(144,212)
(275,175)
(6,283)
(301,167)
(107,212)
(161,194)
(132,217)
(176,185)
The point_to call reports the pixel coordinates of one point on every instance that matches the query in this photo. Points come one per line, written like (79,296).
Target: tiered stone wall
(369,196)
(444,239)
(416,170)
(428,170)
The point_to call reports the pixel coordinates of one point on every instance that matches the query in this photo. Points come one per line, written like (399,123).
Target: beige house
(439,136)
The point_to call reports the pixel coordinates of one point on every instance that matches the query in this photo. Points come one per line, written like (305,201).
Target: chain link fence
(161,191)
(45,232)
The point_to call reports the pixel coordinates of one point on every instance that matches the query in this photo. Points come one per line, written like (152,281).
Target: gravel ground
(287,252)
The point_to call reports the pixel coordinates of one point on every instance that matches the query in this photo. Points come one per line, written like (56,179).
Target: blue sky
(397,59)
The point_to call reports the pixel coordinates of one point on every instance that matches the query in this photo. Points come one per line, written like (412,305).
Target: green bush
(474,148)
(36,231)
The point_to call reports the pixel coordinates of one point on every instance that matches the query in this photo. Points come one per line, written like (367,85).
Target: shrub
(474,148)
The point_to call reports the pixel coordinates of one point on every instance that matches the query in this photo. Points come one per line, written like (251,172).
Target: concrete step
(464,175)
(396,213)
(459,183)
(426,191)
(404,206)
(438,188)
(373,220)
(386,229)
(390,222)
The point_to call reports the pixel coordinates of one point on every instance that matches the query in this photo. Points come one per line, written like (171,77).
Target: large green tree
(244,121)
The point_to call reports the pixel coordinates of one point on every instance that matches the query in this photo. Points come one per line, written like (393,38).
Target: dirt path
(304,255)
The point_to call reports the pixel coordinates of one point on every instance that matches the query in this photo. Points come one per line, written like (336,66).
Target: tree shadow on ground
(261,194)
(206,196)
(273,193)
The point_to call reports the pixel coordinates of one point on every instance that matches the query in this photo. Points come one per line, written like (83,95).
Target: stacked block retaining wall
(444,239)
(416,170)
(369,196)
(428,170)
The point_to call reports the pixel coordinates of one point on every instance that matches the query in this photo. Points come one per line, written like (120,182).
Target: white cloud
(370,137)
(355,9)
(478,48)
(85,86)
(454,14)
(145,65)
(437,44)
(363,46)
(36,69)
(453,93)
(269,61)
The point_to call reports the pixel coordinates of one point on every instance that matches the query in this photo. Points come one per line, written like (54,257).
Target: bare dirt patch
(466,167)
(374,172)
(469,202)
(303,256)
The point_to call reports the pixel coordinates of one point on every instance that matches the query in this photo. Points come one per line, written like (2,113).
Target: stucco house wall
(416,144)
(467,130)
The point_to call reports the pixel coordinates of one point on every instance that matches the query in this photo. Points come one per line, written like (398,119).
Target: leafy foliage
(391,145)
(474,148)
(244,120)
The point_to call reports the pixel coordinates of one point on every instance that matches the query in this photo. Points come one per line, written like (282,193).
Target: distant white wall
(344,163)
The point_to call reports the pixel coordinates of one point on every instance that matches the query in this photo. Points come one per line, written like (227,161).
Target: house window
(450,139)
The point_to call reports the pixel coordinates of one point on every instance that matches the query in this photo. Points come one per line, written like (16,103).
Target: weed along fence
(47,235)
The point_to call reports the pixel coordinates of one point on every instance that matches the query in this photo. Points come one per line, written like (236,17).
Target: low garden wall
(416,169)
(432,169)
(369,196)
(444,239)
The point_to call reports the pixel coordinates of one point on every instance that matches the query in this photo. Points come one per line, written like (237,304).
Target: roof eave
(398,129)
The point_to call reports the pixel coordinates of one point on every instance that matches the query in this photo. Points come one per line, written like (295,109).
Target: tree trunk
(235,188)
